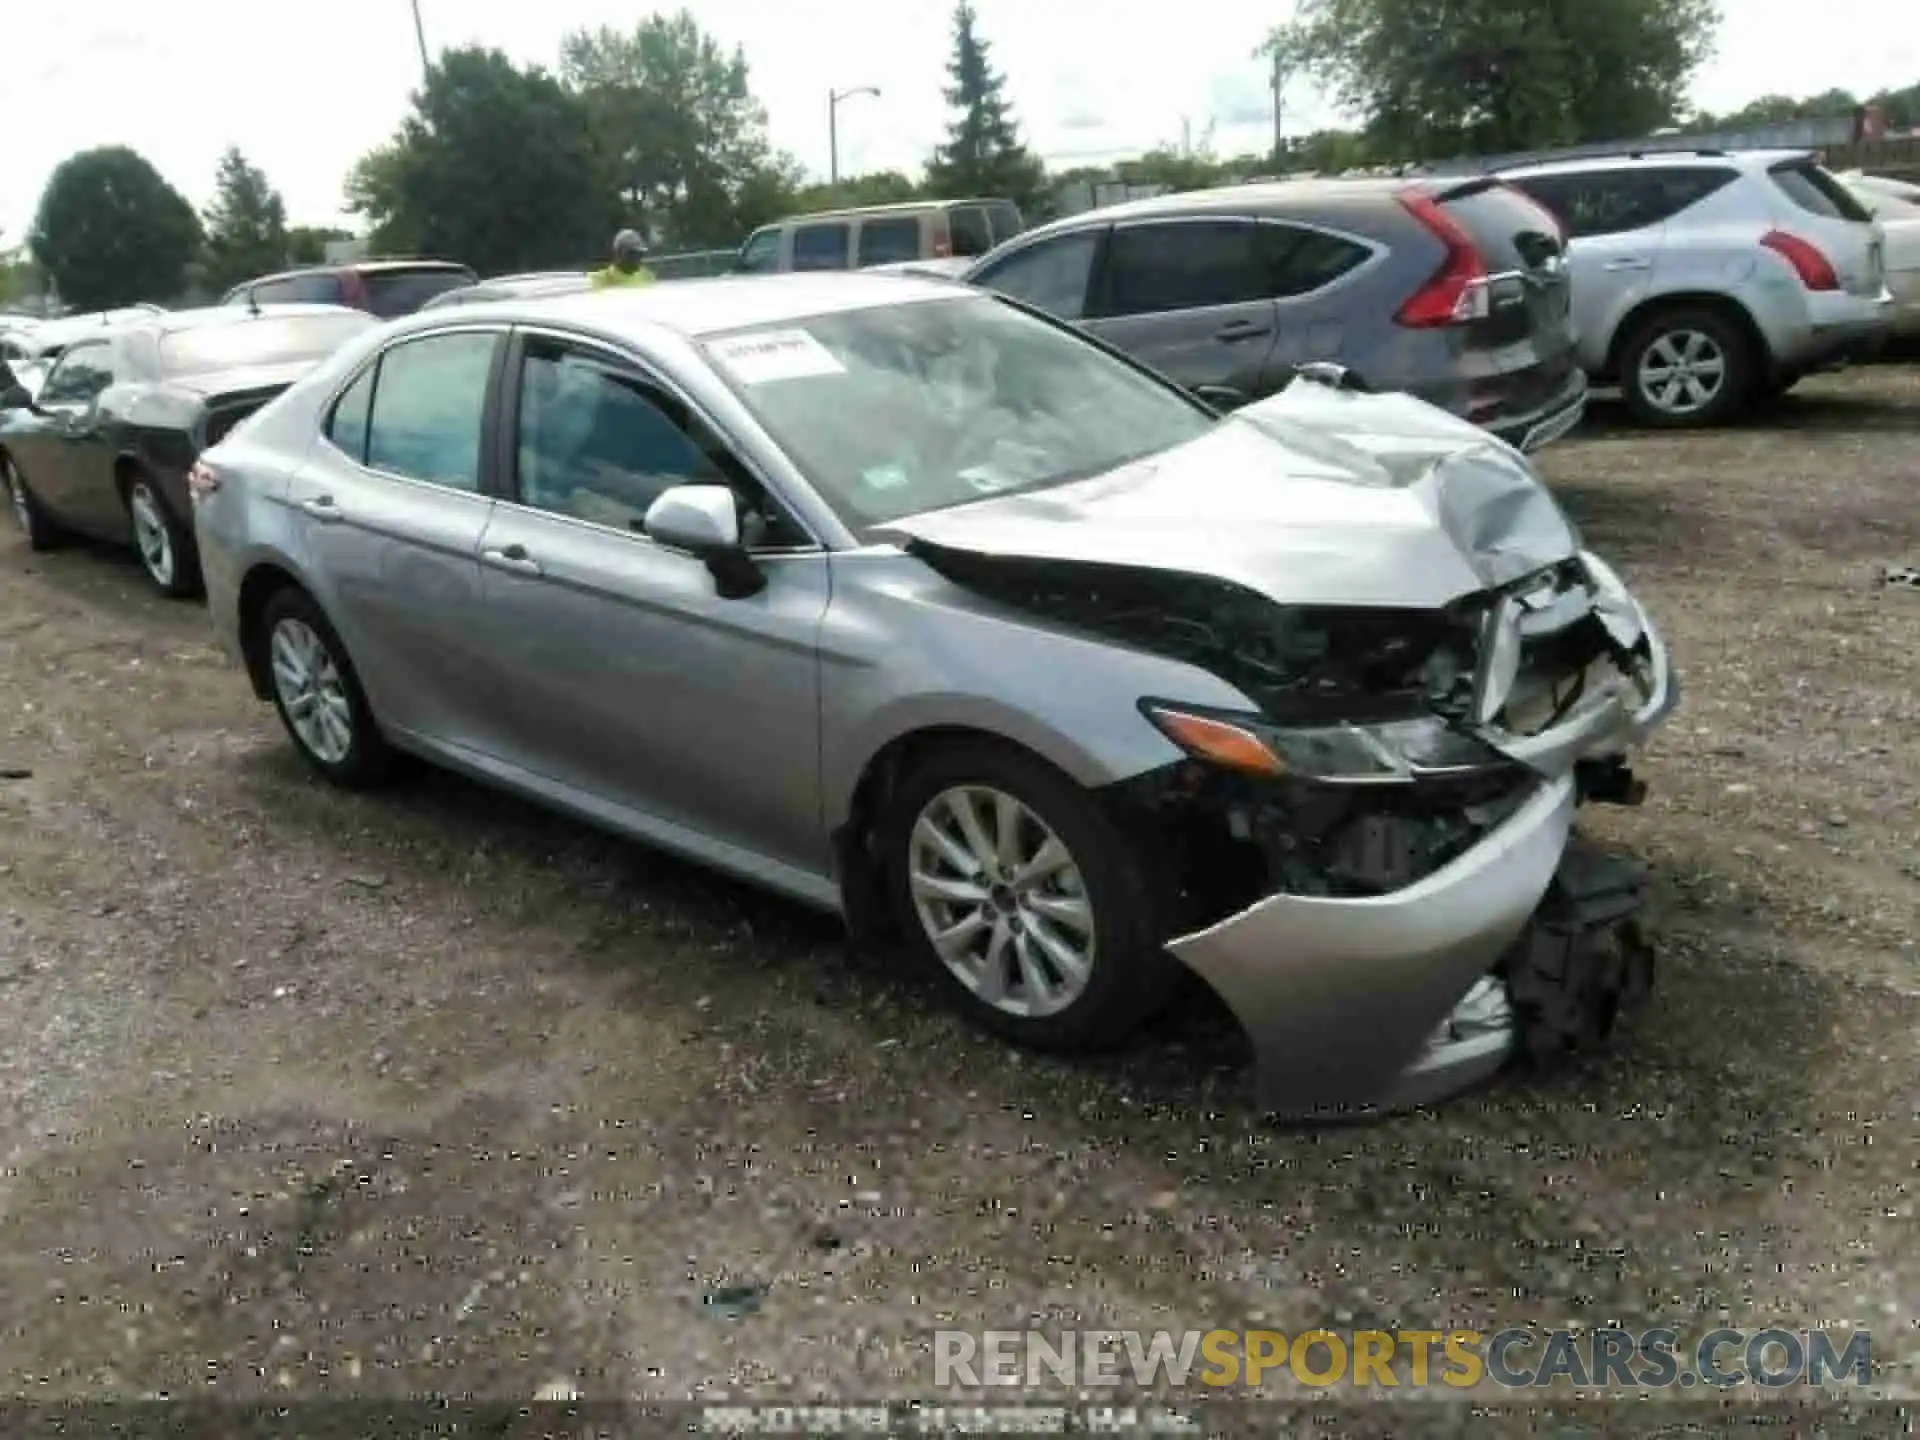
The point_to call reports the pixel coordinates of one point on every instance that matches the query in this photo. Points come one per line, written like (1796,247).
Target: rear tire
(318,694)
(1051,929)
(166,546)
(28,513)
(1687,367)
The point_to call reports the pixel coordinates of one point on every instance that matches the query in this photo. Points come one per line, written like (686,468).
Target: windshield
(902,408)
(261,341)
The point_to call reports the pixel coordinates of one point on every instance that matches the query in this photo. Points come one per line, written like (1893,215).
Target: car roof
(1746,160)
(897,207)
(174,322)
(695,308)
(1279,196)
(364,267)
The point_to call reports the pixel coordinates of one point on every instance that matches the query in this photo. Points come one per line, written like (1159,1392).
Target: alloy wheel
(1682,372)
(1002,901)
(307,682)
(151,534)
(17,494)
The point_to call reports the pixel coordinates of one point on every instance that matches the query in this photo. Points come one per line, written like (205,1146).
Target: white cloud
(304,92)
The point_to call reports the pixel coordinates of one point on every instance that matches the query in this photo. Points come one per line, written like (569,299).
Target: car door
(74,454)
(629,680)
(1193,298)
(1615,232)
(390,507)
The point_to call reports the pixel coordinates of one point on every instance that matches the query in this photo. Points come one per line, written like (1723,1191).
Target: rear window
(265,341)
(1817,192)
(392,293)
(320,288)
(820,247)
(886,242)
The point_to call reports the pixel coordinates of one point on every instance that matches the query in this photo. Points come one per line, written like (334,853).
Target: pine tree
(983,155)
(246,224)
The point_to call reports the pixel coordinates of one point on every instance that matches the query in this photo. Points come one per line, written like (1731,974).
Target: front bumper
(1384,1001)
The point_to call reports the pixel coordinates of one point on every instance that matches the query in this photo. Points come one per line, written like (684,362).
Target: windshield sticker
(775,355)
(884,477)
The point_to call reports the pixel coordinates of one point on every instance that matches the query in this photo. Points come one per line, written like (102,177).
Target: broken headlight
(1391,752)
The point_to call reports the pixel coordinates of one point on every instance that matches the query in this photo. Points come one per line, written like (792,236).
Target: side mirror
(16,397)
(704,520)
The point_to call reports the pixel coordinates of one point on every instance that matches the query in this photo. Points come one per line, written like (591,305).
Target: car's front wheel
(1023,898)
(167,550)
(28,513)
(318,694)
(1687,367)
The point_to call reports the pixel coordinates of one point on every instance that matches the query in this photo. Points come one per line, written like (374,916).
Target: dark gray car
(1454,291)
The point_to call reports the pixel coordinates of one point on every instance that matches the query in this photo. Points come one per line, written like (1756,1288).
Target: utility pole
(420,38)
(834,97)
(1279,89)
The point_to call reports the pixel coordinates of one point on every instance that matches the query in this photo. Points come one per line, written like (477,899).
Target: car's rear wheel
(1687,367)
(1022,898)
(28,513)
(167,550)
(318,694)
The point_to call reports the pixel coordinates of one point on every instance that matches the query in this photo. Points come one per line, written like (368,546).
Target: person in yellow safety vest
(629,263)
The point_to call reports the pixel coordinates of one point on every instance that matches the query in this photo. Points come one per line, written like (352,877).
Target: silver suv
(1704,279)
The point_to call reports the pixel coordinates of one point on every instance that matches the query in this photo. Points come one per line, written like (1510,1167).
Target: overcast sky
(304,91)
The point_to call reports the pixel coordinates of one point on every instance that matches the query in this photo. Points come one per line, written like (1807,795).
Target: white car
(1896,205)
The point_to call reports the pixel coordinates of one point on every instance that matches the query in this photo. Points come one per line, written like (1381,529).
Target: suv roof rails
(1623,152)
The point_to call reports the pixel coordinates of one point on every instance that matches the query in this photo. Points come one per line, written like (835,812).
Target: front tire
(167,550)
(28,513)
(1024,901)
(1687,367)
(318,694)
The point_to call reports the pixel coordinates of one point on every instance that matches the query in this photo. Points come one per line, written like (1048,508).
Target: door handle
(1243,329)
(322,508)
(512,557)
(1634,262)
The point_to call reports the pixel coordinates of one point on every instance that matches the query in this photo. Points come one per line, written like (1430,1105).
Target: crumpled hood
(1314,496)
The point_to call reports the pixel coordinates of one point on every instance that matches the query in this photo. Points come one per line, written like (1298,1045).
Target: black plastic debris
(733,1302)
(1900,577)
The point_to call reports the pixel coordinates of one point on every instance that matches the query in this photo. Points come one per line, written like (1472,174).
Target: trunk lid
(1525,255)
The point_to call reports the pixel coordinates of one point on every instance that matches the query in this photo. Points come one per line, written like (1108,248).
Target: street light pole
(420,38)
(834,97)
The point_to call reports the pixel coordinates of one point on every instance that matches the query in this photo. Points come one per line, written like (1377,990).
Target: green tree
(307,244)
(982,155)
(1439,77)
(496,167)
(678,129)
(246,224)
(110,231)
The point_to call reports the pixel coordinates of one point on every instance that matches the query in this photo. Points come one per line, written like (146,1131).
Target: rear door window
(820,247)
(347,425)
(1188,265)
(886,242)
(1051,275)
(1006,219)
(1300,260)
(1616,201)
(393,293)
(81,374)
(427,402)
(1817,192)
(971,233)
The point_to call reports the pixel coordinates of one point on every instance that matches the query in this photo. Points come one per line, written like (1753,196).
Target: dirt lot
(319,1094)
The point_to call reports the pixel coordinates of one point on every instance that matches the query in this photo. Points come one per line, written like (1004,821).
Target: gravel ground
(311,1094)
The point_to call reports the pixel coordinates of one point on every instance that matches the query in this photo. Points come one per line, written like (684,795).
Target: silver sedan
(917,606)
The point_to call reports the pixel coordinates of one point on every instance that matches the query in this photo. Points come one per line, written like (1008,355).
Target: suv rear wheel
(1687,366)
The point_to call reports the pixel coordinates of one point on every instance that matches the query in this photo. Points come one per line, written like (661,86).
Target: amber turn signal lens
(1222,743)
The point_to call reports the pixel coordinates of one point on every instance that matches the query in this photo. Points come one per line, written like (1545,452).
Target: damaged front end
(1376,868)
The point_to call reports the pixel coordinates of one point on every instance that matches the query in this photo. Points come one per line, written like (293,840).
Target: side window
(820,247)
(1006,220)
(1051,275)
(1616,201)
(761,253)
(598,443)
(1299,261)
(83,372)
(884,242)
(427,405)
(347,426)
(972,235)
(1186,266)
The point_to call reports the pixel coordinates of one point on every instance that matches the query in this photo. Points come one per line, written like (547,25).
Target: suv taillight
(1813,268)
(1458,293)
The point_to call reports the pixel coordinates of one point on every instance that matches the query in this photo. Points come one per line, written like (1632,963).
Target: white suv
(1703,279)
